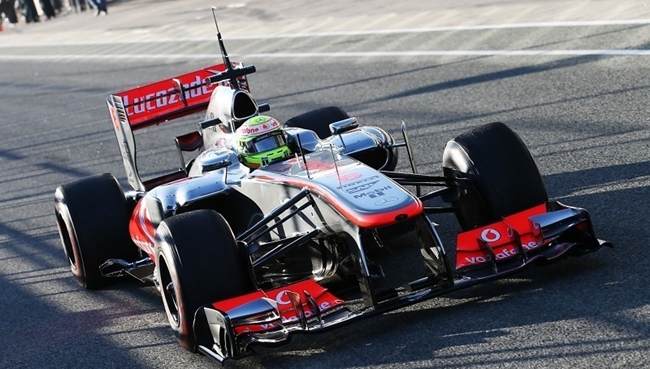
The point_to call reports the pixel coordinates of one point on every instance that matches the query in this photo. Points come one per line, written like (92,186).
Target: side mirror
(343,125)
(213,160)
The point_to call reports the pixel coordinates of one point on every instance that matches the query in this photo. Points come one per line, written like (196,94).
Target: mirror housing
(213,160)
(343,125)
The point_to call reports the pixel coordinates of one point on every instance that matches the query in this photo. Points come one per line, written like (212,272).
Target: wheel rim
(66,240)
(169,293)
(170,290)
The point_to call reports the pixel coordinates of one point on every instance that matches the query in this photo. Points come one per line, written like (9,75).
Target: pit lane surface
(440,68)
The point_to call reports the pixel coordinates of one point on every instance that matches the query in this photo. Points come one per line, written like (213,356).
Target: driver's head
(261,140)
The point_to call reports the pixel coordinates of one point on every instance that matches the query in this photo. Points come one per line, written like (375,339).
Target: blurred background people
(99,5)
(58,5)
(48,9)
(8,10)
(29,9)
(78,5)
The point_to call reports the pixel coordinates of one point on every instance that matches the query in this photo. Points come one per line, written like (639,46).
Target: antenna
(304,160)
(336,166)
(234,83)
(231,74)
(410,154)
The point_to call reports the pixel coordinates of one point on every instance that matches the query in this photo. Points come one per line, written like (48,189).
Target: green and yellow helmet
(261,140)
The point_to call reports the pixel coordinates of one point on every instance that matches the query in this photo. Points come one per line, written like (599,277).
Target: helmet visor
(267,142)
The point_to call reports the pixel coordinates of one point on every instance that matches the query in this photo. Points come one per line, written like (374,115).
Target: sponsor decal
(360,182)
(161,98)
(260,119)
(288,315)
(255,129)
(114,117)
(324,301)
(502,237)
(282,298)
(323,306)
(385,200)
(377,192)
(141,229)
(505,253)
(361,187)
(146,103)
(317,165)
(349,176)
(490,235)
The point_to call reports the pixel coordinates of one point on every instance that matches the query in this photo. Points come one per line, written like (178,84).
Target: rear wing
(157,103)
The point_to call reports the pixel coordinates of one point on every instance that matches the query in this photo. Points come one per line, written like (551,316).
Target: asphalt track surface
(571,77)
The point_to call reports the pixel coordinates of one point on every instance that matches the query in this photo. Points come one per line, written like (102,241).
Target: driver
(261,140)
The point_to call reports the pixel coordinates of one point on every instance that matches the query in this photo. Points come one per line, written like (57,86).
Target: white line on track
(348,33)
(424,53)
(448,53)
(457,28)
(339,54)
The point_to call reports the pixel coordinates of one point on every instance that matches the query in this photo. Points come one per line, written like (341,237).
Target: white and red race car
(330,235)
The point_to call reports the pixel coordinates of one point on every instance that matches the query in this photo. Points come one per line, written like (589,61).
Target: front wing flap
(226,328)
(545,233)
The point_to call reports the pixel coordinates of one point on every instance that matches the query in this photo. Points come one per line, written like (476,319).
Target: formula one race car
(274,229)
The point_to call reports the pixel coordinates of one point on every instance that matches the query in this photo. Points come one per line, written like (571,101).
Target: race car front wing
(547,233)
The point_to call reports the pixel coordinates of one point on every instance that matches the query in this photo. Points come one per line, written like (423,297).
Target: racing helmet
(261,140)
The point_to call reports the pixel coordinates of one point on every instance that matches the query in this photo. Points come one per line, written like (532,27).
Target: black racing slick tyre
(318,120)
(92,216)
(500,168)
(198,263)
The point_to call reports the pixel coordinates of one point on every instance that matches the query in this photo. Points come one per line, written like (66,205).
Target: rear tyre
(92,216)
(198,262)
(501,169)
(318,120)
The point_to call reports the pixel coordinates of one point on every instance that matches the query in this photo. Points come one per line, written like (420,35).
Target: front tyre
(92,216)
(318,120)
(198,262)
(502,171)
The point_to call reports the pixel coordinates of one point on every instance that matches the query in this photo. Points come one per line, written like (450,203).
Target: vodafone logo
(282,298)
(349,176)
(490,235)
(249,130)
(258,125)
